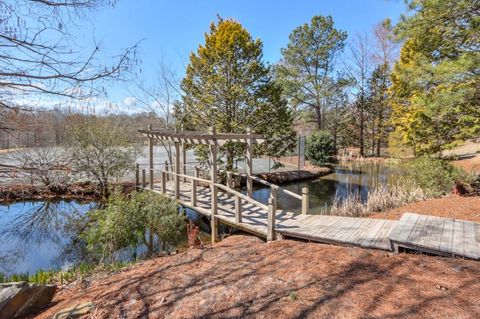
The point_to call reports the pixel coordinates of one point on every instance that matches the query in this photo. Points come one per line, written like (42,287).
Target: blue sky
(172,29)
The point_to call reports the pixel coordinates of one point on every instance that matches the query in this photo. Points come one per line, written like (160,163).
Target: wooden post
(164,182)
(184,161)
(213,188)
(229,182)
(270,221)
(193,197)
(273,196)
(151,178)
(249,164)
(150,156)
(177,170)
(305,199)
(238,209)
(166,169)
(137,175)
(144,181)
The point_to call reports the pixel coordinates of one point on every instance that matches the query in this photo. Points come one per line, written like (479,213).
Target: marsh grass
(379,199)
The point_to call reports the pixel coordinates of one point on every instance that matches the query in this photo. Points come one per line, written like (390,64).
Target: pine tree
(308,63)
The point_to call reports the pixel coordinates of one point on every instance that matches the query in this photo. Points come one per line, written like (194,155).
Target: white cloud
(129,101)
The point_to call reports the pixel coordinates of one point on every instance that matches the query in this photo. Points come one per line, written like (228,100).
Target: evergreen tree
(379,107)
(435,84)
(228,86)
(308,63)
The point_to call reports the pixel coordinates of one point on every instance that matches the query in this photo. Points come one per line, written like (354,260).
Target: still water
(347,179)
(42,235)
(45,234)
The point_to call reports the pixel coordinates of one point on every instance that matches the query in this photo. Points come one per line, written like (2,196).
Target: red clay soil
(245,277)
(452,206)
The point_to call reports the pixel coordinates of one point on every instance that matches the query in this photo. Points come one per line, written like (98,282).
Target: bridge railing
(271,208)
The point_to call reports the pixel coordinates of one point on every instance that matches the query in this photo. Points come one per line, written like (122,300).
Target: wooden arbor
(181,139)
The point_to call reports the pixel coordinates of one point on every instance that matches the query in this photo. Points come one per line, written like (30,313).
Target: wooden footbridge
(227,205)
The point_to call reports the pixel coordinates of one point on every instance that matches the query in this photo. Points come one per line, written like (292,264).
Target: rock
(21,298)
(74,311)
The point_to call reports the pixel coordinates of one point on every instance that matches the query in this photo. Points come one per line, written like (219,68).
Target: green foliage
(320,147)
(308,61)
(60,277)
(379,108)
(435,83)
(227,86)
(39,277)
(101,149)
(143,218)
(434,176)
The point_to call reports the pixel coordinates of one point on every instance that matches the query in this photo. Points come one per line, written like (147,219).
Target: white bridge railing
(169,173)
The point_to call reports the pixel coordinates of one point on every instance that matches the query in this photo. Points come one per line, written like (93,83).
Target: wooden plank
(436,234)
(348,234)
(476,226)
(343,228)
(415,233)
(372,233)
(404,227)
(333,228)
(357,238)
(396,231)
(426,232)
(457,242)
(447,236)
(469,242)
(382,240)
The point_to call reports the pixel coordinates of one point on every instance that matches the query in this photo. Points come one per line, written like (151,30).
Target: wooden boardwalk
(441,236)
(225,204)
(351,231)
(437,235)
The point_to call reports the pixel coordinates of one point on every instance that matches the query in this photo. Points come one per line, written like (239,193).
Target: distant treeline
(42,128)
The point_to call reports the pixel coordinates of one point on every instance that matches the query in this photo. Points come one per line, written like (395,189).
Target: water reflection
(347,179)
(33,234)
(45,234)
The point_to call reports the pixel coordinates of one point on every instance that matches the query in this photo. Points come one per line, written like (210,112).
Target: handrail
(242,196)
(223,187)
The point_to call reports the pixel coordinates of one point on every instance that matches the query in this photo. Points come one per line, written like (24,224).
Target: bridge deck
(437,235)
(442,236)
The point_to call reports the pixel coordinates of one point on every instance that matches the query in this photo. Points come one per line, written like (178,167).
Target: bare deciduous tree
(38,54)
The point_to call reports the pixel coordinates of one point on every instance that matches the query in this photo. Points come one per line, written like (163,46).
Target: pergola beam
(202,138)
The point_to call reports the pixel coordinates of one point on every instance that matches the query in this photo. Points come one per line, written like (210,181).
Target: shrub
(320,147)
(433,175)
(143,218)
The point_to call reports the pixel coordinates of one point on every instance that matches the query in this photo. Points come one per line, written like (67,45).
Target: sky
(170,30)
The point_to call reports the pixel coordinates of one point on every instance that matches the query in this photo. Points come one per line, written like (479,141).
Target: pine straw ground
(244,277)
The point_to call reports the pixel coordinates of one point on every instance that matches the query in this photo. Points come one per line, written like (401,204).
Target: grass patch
(57,276)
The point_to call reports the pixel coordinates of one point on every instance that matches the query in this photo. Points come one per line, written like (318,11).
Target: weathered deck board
(443,236)
(438,235)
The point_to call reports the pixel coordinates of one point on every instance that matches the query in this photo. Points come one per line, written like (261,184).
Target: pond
(349,178)
(44,235)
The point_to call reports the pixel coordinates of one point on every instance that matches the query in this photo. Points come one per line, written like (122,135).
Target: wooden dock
(429,234)
(437,235)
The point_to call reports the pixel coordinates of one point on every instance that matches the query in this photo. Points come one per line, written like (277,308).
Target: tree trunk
(380,133)
(230,157)
(362,137)
(318,113)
